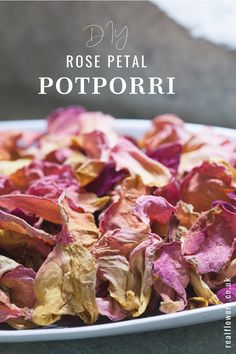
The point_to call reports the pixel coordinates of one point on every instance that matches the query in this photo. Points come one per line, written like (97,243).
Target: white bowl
(184,318)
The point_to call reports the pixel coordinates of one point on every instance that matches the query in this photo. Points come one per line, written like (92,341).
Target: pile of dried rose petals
(97,224)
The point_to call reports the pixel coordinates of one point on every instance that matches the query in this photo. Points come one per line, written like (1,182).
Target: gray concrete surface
(206,338)
(36,36)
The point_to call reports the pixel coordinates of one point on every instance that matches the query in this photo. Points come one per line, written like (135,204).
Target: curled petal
(205,184)
(120,241)
(127,156)
(80,226)
(114,269)
(166,128)
(210,243)
(90,121)
(40,206)
(202,289)
(6,185)
(95,144)
(150,208)
(65,285)
(119,215)
(65,121)
(19,282)
(106,180)
(171,192)
(140,275)
(227,272)
(37,169)
(16,293)
(200,148)
(13,223)
(8,310)
(87,202)
(8,143)
(89,171)
(171,277)
(110,308)
(168,155)
(186,214)
(197,302)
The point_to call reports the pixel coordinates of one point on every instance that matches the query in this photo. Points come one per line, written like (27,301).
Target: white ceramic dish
(185,318)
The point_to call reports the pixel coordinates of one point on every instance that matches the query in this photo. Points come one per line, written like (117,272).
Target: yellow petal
(65,285)
(89,170)
(81,226)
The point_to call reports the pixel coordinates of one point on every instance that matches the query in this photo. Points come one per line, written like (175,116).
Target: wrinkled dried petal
(89,171)
(209,243)
(80,226)
(202,289)
(110,308)
(65,121)
(65,285)
(16,293)
(205,184)
(151,208)
(186,214)
(171,276)
(13,223)
(40,206)
(128,156)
